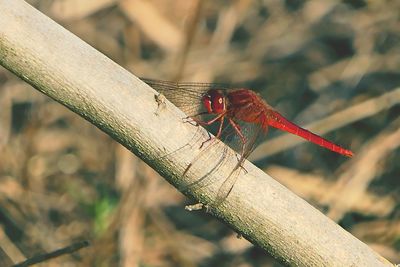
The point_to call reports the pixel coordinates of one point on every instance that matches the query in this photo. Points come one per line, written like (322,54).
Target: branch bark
(62,66)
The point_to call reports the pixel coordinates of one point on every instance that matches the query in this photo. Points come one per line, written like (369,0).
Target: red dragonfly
(242,117)
(240,111)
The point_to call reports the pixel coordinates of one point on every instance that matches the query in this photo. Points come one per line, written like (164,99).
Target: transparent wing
(185,95)
(188,97)
(253,134)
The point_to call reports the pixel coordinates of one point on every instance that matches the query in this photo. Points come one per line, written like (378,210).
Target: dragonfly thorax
(214,101)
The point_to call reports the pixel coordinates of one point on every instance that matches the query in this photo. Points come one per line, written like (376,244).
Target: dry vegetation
(333,64)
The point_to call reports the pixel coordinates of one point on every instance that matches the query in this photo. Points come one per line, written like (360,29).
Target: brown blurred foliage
(62,180)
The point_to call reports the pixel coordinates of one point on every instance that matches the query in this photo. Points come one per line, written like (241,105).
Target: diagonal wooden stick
(62,66)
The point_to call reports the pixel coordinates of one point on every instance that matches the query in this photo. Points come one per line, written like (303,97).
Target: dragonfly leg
(207,123)
(243,168)
(220,128)
(240,161)
(243,139)
(192,120)
(209,139)
(239,132)
(221,123)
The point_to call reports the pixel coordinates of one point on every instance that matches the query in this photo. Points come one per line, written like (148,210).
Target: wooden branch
(71,72)
(56,253)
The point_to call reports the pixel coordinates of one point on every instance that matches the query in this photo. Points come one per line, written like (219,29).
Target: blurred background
(331,66)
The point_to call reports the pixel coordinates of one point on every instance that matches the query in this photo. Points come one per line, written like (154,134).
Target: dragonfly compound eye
(217,101)
(207,103)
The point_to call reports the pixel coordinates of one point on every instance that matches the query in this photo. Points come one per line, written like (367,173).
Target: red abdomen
(278,121)
(247,106)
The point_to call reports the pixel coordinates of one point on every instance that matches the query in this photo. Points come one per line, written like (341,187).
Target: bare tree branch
(71,72)
(59,252)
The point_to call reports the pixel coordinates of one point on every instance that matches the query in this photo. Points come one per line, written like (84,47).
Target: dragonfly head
(214,102)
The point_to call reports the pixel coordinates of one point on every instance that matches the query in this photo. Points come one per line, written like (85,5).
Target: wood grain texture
(62,66)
